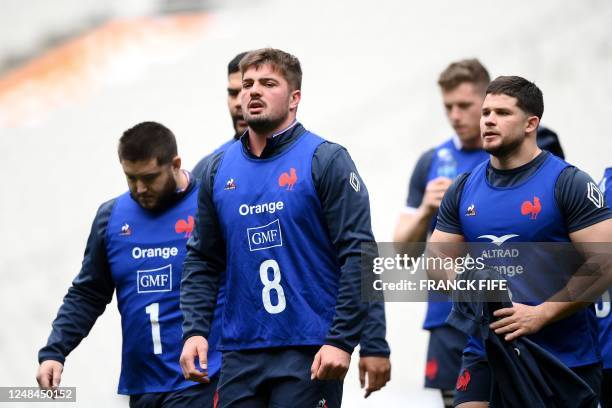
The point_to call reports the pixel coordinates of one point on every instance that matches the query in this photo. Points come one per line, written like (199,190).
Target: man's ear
(294,99)
(532,124)
(176,163)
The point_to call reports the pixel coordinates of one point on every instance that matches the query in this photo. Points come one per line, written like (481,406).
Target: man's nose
(140,187)
(454,114)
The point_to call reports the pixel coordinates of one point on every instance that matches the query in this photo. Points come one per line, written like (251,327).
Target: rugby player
(284,213)
(374,363)
(462,85)
(136,247)
(525,195)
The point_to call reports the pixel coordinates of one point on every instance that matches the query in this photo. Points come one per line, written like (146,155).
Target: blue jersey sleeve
(88,296)
(346,208)
(448,214)
(580,200)
(373,341)
(205,259)
(418,180)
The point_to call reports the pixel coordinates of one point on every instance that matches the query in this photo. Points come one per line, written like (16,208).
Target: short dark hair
(148,140)
(286,64)
(528,96)
(234,64)
(467,70)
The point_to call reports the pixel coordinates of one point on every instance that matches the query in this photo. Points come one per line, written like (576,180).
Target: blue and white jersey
(448,161)
(282,269)
(603,307)
(145,252)
(528,212)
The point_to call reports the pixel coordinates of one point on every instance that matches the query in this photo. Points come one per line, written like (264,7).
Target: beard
(505,147)
(157,201)
(265,123)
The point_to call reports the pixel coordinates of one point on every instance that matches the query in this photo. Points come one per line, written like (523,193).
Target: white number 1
(153,312)
(271,284)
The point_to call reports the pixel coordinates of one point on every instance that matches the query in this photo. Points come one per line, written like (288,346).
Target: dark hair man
(136,247)
(462,85)
(560,210)
(374,364)
(284,213)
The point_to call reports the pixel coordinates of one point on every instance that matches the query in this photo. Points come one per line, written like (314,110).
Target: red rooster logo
(431,369)
(288,179)
(185,226)
(463,381)
(533,209)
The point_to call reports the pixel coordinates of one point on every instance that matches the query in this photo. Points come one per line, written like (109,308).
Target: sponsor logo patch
(594,195)
(354,182)
(498,240)
(266,236)
(155,280)
(125,229)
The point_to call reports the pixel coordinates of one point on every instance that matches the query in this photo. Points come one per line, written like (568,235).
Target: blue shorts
(275,378)
(475,380)
(444,353)
(199,395)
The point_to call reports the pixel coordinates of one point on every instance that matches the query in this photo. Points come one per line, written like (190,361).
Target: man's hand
(378,372)
(330,363)
(49,374)
(519,320)
(195,347)
(434,191)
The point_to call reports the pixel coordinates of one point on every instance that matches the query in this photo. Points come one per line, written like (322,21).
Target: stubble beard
(161,199)
(265,123)
(505,148)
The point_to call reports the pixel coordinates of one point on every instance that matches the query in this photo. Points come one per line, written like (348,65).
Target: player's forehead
(263,71)
(465,91)
(498,101)
(140,167)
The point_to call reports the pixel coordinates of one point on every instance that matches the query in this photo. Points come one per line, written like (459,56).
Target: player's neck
(259,139)
(521,156)
(472,143)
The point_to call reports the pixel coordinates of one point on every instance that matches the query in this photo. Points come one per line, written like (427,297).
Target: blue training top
(145,252)
(528,212)
(282,269)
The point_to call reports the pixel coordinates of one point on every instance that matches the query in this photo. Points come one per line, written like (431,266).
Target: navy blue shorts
(275,378)
(444,353)
(199,395)
(475,379)
(606,388)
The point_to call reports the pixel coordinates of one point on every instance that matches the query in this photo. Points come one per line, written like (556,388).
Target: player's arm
(374,362)
(85,301)
(204,262)
(346,208)
(587,220)
(448,234)
(422,203)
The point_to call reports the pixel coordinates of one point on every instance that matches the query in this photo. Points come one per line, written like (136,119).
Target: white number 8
(272,284)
